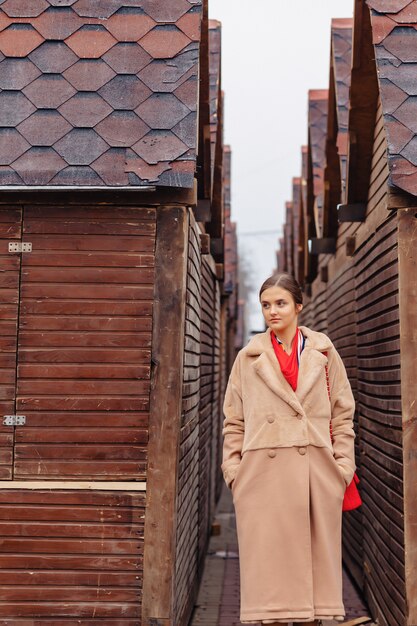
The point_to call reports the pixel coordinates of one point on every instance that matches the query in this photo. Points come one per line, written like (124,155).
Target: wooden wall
(209,405)
(71,556)
(217,400)
(199,477)
(78,316)
(342,330)
(380,421)
(379,397)
(187,518)
(10,231)
(79,339)
(84,343)
(361,299)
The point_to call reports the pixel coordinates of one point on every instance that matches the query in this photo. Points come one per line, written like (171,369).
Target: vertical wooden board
(84,342)
(10,231)
(407,261)
(168,338)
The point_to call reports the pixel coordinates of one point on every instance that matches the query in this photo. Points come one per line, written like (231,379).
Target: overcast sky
(273,52)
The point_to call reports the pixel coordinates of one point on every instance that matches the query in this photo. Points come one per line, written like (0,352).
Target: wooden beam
(202,212)
(350,245)
(205,243)
(83,485)
(397,199)
(324,274)
(217,248)
(351,212)
(165,415)
(125,197)
(322,245)
(407,274)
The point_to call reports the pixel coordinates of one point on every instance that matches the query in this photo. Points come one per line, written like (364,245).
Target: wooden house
(112,307)
(363,290)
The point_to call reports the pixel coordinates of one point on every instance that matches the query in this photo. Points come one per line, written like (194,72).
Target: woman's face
(279,309)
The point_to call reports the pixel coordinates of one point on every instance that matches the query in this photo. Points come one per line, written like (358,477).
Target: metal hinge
(14,420)
(20,246)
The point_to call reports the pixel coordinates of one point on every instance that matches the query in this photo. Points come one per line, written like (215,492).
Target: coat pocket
(237,475)
(337,468)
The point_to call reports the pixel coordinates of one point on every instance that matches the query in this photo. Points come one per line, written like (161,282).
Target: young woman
(287,478)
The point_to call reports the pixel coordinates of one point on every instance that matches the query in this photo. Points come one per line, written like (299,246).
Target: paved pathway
(218,599)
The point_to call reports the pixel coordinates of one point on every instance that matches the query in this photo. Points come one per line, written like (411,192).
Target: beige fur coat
(262,410)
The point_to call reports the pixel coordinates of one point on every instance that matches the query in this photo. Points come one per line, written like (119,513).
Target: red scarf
(288,362)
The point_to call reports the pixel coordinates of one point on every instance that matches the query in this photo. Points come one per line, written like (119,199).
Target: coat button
(302,450)
(299,416)
(270,419)
(271,453)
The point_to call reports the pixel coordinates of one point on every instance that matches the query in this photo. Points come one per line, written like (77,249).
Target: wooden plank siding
(80,353)
(354,523)
(10,231)
(341,307)
(84,343)
(71,557)
(379,393)
(306,317)
(187,515)
(407,265)
(362,302)
(217,399)
(314,314)
(97,386)
(209,427)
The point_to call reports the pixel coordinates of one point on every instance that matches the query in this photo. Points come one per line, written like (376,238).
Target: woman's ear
(299,308)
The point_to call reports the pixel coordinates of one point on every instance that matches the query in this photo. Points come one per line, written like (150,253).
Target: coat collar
(310,369)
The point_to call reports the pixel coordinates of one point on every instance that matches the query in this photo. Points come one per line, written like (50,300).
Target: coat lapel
(311,366)
(267,367)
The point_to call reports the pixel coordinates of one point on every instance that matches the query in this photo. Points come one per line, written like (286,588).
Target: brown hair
(286,281)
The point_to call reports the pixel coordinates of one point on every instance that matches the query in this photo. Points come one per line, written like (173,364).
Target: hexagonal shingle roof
(394,32)
(99,93)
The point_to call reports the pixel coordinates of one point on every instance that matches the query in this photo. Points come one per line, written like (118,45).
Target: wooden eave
(289,245)
(332,177)
(296,219)
(217,220)
(131,196)
(216,225)
(312,261)
(363,106)
(303,214)
(302,244)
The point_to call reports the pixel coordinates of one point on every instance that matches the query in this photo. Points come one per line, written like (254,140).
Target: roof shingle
(107,89)
(395,40)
